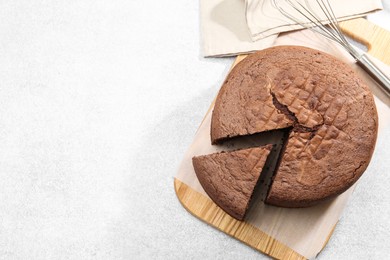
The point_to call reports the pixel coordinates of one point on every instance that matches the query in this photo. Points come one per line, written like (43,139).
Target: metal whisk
(328,26)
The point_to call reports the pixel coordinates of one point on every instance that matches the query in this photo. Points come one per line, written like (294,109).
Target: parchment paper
(303,230)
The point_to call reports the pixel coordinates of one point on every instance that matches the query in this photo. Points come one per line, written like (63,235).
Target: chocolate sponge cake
(329,112)
(229,178)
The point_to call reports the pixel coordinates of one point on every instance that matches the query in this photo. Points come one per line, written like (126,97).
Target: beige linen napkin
(224,29)
(263,19)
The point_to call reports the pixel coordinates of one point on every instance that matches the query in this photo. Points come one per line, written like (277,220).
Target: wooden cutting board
(377,41)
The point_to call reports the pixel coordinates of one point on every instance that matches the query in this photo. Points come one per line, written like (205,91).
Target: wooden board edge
(374,37)
(207,211)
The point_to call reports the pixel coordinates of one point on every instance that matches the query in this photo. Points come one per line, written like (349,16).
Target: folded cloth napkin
(224,29)
(263,19)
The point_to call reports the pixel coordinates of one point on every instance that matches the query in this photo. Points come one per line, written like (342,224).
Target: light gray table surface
(98,102)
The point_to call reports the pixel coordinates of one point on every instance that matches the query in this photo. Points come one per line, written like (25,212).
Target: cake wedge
(229,178)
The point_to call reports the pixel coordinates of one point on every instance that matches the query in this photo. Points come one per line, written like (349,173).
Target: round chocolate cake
(329,112)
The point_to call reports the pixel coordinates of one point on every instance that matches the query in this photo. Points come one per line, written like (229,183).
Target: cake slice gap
(272,165)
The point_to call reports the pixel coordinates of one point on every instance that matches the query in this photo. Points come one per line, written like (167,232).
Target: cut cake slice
(229,178)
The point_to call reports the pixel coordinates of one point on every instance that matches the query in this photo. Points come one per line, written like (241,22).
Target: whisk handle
(375,73)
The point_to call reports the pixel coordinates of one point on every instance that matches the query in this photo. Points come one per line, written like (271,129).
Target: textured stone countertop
(98,102)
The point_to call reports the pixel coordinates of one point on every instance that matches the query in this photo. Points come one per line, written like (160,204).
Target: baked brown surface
(330,110)
(229,178)
(244,105)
